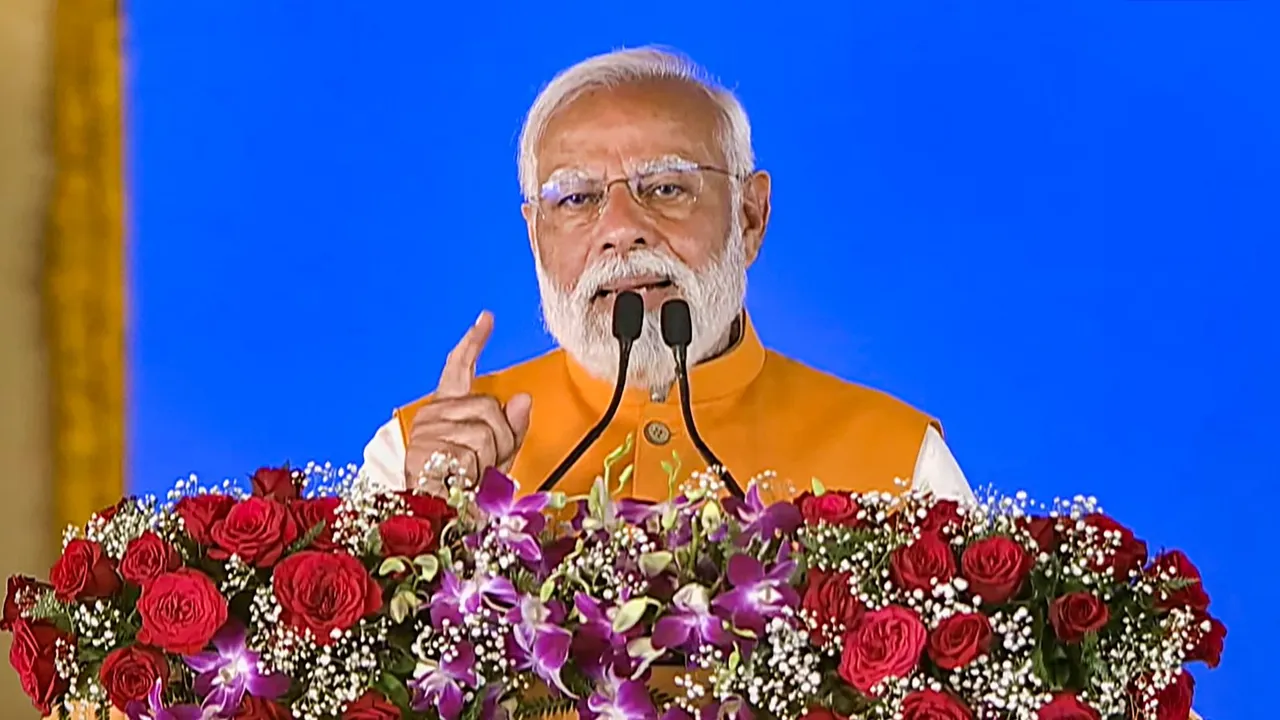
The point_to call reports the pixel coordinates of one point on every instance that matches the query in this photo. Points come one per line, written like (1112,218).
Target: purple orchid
(515,522)
(761,521)
(619,699)
(442,686)
(154,709)
(757,595)
(227,673)
(595,644)
(537,642)
(690,624)
(457,598)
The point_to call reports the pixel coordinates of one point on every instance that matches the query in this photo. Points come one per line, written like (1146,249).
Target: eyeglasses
(574,200)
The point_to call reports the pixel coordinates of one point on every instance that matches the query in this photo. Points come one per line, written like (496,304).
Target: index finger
(460,367)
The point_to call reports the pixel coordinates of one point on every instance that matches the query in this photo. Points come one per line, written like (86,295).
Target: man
(638,174)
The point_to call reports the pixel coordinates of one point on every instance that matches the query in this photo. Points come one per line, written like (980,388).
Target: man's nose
(623,224)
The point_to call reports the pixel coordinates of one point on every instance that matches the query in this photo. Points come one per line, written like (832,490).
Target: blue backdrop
(1054,228)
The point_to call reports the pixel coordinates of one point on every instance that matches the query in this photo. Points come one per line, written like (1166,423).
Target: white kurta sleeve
(384,456)
(938,471)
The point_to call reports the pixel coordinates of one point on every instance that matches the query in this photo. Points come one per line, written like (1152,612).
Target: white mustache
(637,263)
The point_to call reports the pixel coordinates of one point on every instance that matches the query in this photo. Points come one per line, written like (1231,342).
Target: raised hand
(475,429)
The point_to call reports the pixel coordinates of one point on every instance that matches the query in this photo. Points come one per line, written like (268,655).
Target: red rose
(310,513)
(22,594)
(886,643)
(829,601)
(83,572)
(833,508)
(1126,557)
(1044,530)
(280,484)
(933,705)
(1077,614)
(941,516)
(324,592)
(371,706)
(922,563)
(435,509)
(129,674)
(255,708)
(1174,701)
(1177,566)
(1212,636)
(407,536)
(257,529)
(959,639)
(996,568)
(33,655)
(200,513)
(147,558)
(181,612)
(1066,706)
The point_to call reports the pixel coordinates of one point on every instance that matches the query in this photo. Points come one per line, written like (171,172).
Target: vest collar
(725,375)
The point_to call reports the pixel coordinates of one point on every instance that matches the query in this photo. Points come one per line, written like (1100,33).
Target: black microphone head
(677,325)
(628,316)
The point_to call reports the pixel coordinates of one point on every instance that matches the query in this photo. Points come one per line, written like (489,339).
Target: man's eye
(667,190)
(577,200)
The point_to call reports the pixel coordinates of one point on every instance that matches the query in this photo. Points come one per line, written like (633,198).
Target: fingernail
(479,317)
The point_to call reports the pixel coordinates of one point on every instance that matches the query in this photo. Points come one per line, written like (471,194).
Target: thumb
(519,410)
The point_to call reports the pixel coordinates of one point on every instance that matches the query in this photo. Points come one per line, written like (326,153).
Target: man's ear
(529,211)
(755,211)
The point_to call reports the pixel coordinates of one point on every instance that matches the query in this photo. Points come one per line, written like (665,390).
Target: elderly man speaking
(638,175)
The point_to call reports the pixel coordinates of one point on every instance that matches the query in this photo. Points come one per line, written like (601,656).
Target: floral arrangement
(312,594)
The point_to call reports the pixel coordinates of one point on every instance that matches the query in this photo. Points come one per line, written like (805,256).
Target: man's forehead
(619,129)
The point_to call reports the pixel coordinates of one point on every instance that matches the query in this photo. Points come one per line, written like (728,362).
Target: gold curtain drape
(85,261)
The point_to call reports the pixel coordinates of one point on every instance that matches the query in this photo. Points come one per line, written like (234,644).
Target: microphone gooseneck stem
(624,360)
(686,408)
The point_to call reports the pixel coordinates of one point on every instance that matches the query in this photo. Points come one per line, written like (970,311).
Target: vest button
(657,433)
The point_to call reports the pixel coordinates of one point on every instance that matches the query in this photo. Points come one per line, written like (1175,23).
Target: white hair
(623,67)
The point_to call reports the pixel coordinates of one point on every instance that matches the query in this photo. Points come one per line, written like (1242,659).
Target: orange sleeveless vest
(757,410)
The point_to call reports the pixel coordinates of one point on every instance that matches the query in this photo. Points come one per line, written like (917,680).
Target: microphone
(677,333)
(628,322)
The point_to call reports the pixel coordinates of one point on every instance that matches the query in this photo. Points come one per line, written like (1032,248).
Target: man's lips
(638,284)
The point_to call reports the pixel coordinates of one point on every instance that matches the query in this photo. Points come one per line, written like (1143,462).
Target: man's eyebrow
(662,163)
(666,163)
(566,173)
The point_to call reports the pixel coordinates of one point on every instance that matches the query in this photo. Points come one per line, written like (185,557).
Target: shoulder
(828,396)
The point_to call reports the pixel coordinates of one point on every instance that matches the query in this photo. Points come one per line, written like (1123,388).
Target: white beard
(715,296)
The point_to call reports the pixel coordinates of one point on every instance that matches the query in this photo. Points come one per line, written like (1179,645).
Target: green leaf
(629,614)
(669,517)
(446,558)
(613,458)
(735,659)
(557,500)
(653,563)
(625,476)
(429,564)
(391,566)
(395,690)
(672,469)
(711,516)
(303,542)
(548,589)
(403,604)
(818,488)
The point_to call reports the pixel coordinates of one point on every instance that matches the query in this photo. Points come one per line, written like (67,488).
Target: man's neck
(725,344)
